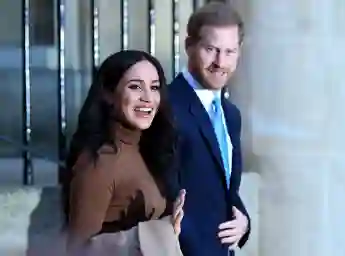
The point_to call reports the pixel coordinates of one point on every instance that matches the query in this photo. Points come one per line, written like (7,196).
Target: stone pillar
(291,90)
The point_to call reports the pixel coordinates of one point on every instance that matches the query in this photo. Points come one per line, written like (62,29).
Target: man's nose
(219,60)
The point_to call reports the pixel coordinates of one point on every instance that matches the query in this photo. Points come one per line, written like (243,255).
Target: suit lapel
(203,121)
(207,131)
(227,117)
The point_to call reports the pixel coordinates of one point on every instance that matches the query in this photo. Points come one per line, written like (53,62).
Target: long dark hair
(157,143)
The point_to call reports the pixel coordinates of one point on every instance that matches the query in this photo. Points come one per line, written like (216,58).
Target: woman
(120,157)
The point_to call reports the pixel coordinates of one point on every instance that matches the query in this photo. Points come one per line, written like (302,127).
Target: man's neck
(199,81)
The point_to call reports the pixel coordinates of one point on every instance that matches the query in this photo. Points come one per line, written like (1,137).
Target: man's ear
(188,42)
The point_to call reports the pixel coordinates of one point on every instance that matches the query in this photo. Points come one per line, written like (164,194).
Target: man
(215,220)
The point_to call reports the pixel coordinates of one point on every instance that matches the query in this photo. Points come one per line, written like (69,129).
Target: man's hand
(231,232)
(178,213)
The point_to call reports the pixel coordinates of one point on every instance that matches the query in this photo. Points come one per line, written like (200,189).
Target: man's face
(213,58)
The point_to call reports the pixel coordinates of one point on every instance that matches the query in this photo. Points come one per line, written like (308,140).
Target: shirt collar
(206,96)
(196,85)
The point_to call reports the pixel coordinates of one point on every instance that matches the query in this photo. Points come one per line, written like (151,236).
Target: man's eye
(229,52)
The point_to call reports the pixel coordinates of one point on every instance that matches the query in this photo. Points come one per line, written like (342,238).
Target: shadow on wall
(45,228)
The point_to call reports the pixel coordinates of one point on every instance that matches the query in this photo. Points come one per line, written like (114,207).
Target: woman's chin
(141,124)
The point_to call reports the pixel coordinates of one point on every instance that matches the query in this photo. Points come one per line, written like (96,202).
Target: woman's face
(138,95)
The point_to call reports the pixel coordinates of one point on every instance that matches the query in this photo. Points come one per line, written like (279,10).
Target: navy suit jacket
(201,172)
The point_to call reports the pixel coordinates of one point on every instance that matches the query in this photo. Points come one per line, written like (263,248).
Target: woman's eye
(155,87)
(134,86)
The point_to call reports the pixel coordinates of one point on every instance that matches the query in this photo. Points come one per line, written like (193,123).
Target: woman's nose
(146,96)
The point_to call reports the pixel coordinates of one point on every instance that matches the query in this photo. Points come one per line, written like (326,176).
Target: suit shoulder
(174,94)
(173,87)
(177,82)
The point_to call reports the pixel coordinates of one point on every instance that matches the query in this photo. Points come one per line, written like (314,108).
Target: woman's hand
(178,213)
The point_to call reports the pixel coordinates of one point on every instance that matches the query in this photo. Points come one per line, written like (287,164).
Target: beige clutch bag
(157,238)
(150,238)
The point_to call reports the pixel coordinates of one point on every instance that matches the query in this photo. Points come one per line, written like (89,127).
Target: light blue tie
(221,134)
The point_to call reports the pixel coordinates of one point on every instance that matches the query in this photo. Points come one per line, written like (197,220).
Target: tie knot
(217,103)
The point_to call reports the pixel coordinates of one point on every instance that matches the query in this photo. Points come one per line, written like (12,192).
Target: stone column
(291,90)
